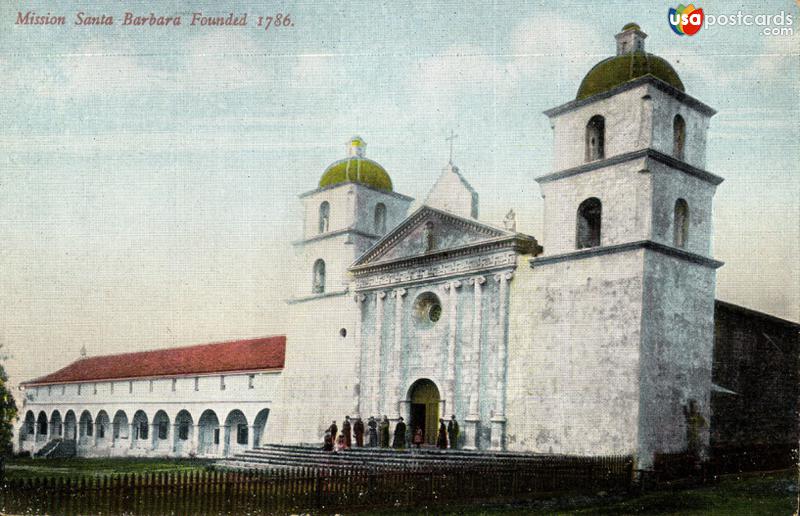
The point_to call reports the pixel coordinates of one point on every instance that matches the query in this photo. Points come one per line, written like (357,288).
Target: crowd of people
(378,434)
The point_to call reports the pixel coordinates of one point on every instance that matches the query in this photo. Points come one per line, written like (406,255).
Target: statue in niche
(427,237)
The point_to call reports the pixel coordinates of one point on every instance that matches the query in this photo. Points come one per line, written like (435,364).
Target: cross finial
(450,138)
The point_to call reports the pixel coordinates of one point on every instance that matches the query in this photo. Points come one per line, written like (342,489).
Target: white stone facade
(205,415)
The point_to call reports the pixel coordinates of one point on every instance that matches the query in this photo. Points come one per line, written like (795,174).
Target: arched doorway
(424,397)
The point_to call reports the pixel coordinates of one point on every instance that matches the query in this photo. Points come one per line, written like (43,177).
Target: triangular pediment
(429,231)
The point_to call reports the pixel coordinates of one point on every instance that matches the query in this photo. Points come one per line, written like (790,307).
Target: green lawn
(772,494)
(26,468)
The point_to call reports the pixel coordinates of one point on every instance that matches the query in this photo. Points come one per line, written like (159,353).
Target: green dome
(358,170)
(631,26)
(612,72)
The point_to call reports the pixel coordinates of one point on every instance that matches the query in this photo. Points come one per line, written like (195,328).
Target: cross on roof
(450,138)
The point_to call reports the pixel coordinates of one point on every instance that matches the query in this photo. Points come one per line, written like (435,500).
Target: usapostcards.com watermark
(773,24)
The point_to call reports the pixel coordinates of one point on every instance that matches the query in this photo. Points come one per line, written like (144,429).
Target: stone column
(153,436)
(375,388)
(452,336)
(251,437)
(195,440)
(473,418)
(360,353)
(499,417)
(393,394)
(174,438)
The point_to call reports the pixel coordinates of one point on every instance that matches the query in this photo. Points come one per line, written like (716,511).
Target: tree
(8,412)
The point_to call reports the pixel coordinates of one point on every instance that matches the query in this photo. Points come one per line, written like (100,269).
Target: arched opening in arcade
(236,432)
(70,426)
(141,430)
(102,429)
(41,427)
(184,431)
(85,429)
(121,428)
(56,425)
(259,427)
(160,430)
(424,400)
(28,429)
(209,437)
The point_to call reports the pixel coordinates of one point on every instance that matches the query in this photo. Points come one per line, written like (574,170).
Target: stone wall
(757,357)
(573,377)
(676,355)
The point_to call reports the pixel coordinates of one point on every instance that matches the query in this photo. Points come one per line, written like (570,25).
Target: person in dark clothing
(441,439)
(372,432)
(385,432)
(452,431)
(333,429)
(399,441)
(358,431)
(346,431)
(327,444)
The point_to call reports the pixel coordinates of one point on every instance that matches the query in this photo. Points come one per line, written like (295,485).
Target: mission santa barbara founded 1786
(602,336)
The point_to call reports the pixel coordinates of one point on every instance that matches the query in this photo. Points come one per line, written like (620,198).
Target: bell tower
(626,283)
(353,207)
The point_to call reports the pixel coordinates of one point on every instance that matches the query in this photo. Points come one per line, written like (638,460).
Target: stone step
(251,460)
(337,459)
(418,455)
(361,459)
(429,450)
(379,459)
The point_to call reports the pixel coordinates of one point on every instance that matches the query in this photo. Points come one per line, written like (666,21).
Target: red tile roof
(240,355)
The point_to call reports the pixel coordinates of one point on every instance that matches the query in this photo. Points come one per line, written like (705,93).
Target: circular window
(428,308)
(343,332)
(435,312)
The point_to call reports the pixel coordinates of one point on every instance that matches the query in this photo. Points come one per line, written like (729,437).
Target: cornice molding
(332,234)
(670,161)
(360,185)
(303,299)
(635,83)
(629,246)
(507,243)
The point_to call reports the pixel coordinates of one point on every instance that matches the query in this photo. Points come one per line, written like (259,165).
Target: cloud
(222,61)
(319,72)
(212,63)
(94,69)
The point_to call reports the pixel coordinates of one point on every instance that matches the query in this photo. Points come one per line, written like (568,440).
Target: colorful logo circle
(685,20)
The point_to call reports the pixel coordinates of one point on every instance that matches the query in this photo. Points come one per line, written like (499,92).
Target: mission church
(597,339)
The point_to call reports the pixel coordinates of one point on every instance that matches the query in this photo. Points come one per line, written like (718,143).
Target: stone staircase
(287,456)
(57,449)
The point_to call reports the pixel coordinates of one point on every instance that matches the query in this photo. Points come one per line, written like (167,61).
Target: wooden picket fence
(301,489)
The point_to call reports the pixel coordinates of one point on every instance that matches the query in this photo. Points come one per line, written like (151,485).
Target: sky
(149,175)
